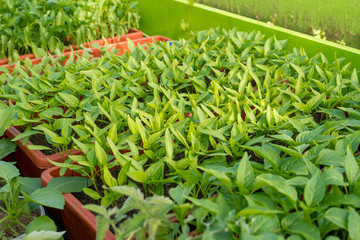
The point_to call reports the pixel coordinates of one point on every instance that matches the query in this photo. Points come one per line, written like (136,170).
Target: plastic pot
(132,34)
(79,222)
(33,162)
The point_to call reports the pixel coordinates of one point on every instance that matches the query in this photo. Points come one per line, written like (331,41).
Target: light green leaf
(70,99)
(44,235)
(48,197)
(314,190)
(351,167)
(129,191)
(279,184)
(257,210)
(245,175)
(100,154)
(69,184)
(308,231)
(92,193)
(42,223)
(180,192)
(6,147)
(337,216)
(354,224)
(206,204)
(8,171)
(168,144)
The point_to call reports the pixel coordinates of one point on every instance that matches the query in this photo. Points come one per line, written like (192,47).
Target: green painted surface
(163,17)
(338,18)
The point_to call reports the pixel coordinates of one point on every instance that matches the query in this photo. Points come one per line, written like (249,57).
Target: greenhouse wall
(336,20)
(168,17)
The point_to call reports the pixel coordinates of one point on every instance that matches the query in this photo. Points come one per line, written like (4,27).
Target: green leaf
(314,190)
(351,167)
(6,119)
(42,223)
(109,179)
(8,171)
(48,197)
(213,133)
(24,135)
(6,147)
(221,176)
(298,70)
(331,176)
(121,179)
(353,224)
(267,152)
(279,184)
(245,175)
(181,211)
(137,176)
(69,184)
(180,192)
(29,185)
(100,154)
(102,225)
(206,204)
(129,191)
(92,193)
(168,144)
(263,225)
(337,216)
(70,99)
(39,147)
(44,235)
(96,208)
(308,231)
(314,102)
(257,210)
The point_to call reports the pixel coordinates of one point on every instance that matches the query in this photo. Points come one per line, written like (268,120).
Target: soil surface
(24,219)
(40,139)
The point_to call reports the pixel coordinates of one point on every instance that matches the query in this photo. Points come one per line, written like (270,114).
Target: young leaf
(69,184)
(121,179)
(206,204)
(314,190)
(351,167)
(354,224)
(306,230)
(279,184)
(245,175)
(109,179)
(168,144)
(100,154)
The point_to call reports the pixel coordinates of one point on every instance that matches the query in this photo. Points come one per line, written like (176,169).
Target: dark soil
(318,117)
(24,219)
(40,139)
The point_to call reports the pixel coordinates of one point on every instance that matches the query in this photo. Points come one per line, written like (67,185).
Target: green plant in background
(38,26)
(319,33)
